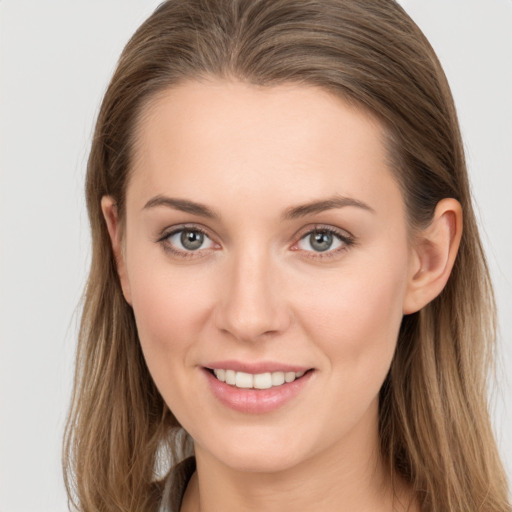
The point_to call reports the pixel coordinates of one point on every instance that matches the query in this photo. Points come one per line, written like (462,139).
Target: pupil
(321,241)
(192,240)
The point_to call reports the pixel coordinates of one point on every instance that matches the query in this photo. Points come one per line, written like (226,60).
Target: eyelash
(168,247)
(345,238)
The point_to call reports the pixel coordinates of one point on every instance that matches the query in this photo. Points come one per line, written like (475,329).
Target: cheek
(355,317)
(170,307)
(354,321)
(169,312)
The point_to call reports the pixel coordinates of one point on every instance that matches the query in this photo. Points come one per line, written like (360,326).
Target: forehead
(257,140)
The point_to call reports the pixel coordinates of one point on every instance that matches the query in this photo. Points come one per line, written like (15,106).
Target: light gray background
(56,57)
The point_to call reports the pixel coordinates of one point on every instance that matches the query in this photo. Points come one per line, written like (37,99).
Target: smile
(265,380)
(256,391)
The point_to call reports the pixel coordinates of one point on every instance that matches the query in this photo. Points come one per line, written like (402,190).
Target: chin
(260,462)
(258,453)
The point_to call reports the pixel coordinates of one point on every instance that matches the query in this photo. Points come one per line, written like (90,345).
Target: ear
(109,209)
(433,255)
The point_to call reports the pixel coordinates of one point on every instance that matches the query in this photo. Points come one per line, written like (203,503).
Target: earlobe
(109,209)
(433,255)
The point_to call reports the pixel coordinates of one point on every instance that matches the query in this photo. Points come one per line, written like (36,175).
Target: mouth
(257,388)
(266,380)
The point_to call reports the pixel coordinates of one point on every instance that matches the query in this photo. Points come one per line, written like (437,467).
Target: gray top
(175,485)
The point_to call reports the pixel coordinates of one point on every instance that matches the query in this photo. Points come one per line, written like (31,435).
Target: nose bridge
(251,304)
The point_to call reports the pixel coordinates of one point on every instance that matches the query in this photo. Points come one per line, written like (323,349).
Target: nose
(251,304)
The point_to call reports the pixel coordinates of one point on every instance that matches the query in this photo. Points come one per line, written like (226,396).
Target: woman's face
(265,235)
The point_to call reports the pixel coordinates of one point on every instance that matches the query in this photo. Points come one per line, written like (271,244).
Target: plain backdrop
(56,57)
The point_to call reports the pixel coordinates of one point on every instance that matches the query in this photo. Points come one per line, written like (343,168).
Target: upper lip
(256,367)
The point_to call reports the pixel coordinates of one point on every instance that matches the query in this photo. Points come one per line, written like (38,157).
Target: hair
(434,424)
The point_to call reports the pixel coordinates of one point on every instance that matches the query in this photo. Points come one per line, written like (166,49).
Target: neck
(349,476)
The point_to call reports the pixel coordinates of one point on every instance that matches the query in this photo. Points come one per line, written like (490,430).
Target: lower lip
(256,401)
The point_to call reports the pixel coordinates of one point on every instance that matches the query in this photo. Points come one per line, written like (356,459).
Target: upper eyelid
(172,230)
(342,233)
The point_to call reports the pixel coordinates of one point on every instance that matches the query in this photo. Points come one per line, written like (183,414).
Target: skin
(258,291)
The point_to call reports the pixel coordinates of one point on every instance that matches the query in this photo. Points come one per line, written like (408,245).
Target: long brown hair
(434,424)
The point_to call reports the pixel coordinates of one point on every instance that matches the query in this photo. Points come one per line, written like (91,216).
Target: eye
(321,240)
(187,240)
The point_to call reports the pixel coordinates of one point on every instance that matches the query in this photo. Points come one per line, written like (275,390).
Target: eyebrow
(331,203)
(291,213)
(183,205)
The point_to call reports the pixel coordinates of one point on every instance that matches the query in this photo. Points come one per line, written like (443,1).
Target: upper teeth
(257,381)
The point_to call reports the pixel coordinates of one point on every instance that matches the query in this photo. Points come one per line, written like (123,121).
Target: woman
(287,279)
